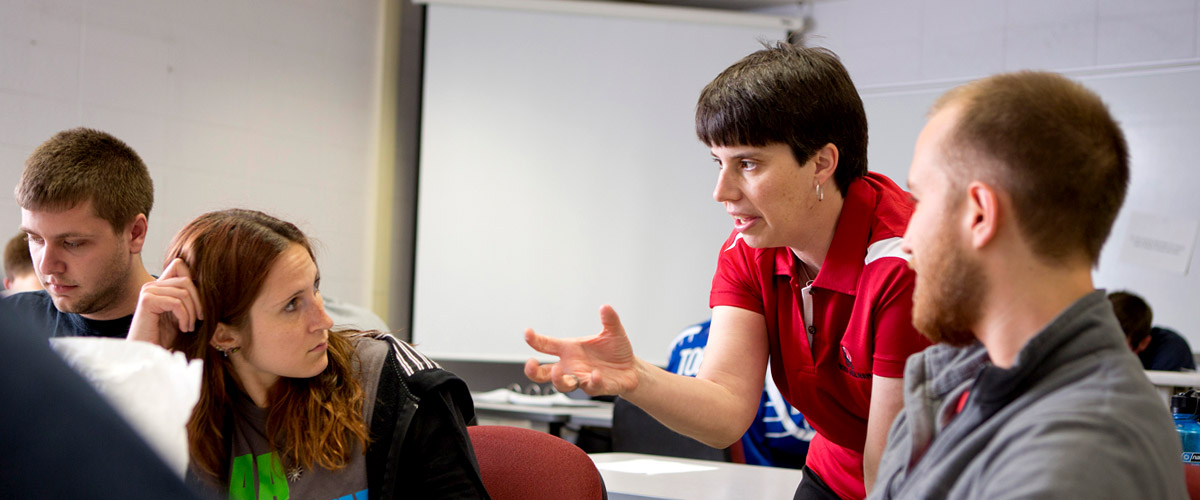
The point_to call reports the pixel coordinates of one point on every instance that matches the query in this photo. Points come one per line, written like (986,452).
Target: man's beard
(948,298)
(110,288)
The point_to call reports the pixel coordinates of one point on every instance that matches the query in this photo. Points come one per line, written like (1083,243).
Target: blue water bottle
(1184,407)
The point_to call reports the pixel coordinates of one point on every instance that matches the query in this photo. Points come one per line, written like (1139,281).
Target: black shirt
(38,311)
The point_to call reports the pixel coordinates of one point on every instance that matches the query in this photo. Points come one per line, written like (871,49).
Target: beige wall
(268,105)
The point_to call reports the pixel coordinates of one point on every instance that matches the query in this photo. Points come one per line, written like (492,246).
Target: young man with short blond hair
(85,197)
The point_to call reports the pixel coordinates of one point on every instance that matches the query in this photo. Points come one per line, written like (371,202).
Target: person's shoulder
(1168,336)
(1100,400)
(369,351)
(886,267)
(886,193)
(887,253)
(1167,351)
(402,371)
(892,206)
(383,349)
(34,300)
(1106,391)
(35,308)
(1045,443)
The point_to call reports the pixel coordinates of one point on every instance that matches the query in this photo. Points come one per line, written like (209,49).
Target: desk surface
(729,480)
(596,416)
(1170,383)
(1173,379)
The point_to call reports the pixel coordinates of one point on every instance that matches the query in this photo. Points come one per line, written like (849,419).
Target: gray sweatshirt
(1074,417)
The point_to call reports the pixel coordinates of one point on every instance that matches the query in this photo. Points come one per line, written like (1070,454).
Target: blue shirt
(779,436)
(1167,351)
(37,310)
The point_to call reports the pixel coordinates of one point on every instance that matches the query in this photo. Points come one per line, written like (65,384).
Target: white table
(1170,383)
(726,481)
(555,417)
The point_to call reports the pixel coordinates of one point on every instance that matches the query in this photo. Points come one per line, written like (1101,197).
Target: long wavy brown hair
(314,421)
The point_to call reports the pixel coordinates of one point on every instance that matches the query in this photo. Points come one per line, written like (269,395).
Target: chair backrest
(635,431)
(1191,478)
(524,464)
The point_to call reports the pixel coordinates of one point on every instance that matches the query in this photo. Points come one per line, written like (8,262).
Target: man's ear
(225,338)
(1142,345)
(8,283)
(982,213)
(826,161)
(136,232)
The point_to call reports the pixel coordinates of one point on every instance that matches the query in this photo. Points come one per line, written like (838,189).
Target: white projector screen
(559,171)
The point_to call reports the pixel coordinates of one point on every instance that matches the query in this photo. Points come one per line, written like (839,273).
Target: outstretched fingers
(611,321)
(542,343)
(600,364)
(566,383)
(537,372)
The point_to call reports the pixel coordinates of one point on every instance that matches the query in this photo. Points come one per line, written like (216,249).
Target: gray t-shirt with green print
(256,471)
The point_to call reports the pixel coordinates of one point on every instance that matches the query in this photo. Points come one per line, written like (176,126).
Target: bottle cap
(1185,403)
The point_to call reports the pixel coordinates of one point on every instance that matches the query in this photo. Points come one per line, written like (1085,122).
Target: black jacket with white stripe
(419,443)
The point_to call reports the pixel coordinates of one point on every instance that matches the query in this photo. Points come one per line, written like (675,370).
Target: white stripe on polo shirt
(887,248)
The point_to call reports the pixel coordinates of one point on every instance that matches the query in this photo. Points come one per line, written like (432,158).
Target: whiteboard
(559,171)
(1158,107)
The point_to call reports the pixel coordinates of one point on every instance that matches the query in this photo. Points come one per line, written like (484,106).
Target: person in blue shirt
(1158,348)
(779,436)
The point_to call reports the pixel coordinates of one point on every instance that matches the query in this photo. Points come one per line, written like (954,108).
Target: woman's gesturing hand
(602,364)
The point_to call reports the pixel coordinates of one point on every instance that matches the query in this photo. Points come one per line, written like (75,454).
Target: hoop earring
(820,193)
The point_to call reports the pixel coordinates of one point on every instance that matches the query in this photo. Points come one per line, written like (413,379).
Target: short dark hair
(1134,314)
(17,260)
(799,96)
(80,165)
(1053,146)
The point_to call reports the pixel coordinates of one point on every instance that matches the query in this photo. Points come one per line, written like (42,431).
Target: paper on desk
(512,397)
(650,466)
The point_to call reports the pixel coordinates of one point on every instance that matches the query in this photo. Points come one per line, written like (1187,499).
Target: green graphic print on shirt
(272,485)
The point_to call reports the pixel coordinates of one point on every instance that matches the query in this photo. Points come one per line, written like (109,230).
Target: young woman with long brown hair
(289,408)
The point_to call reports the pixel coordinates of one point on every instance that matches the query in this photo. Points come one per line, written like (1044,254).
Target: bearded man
(1031,391)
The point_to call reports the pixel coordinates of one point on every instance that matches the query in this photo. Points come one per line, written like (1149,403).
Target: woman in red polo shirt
(812,277)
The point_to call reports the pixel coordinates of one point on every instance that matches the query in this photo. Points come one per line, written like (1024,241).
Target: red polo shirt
(860,320)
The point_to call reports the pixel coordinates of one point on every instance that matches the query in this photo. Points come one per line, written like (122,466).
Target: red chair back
(1191,477)
(524,464)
